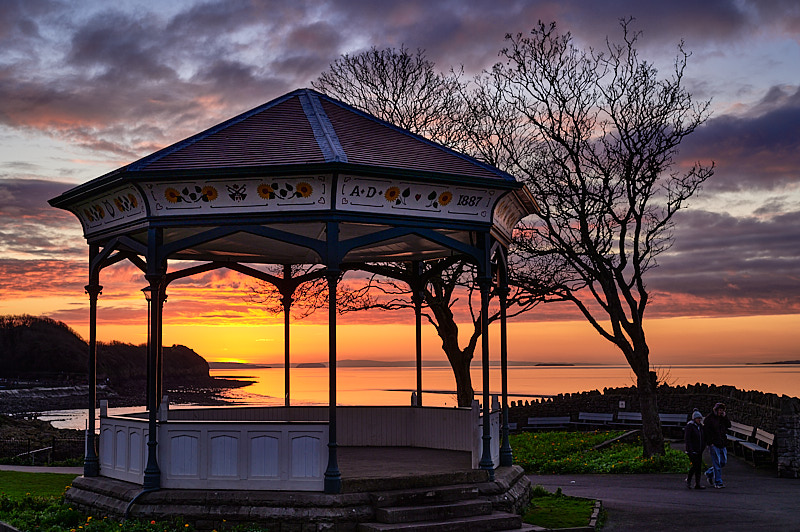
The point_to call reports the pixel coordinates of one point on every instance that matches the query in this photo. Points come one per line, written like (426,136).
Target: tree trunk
(464,390)
(652,436)
(460,359)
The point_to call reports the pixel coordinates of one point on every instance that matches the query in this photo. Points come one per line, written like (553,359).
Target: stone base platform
(366,489)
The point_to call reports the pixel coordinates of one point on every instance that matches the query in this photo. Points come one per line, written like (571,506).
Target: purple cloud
(754,150)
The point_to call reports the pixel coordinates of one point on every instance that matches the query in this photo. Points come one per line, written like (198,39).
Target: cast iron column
(162,298)
(91,463)
(333,477)
(152,473)
(486,457)
(287,309)
(416,298)
(506,456)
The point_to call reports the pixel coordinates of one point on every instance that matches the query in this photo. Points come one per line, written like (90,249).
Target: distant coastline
(365,363)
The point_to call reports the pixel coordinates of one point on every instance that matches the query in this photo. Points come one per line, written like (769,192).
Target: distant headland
(44,366)
(367,363)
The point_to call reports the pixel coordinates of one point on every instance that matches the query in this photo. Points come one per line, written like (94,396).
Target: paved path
(753,499)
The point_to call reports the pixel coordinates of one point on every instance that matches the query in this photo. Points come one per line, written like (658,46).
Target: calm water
(392,386)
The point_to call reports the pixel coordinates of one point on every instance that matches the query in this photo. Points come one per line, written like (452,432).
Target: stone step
(417,496)
(480,523)
(433,512)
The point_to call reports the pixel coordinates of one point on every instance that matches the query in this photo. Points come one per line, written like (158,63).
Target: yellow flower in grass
(172,195)
(304,189)
(210,192)
(392,194)
(445,198)
(266,191)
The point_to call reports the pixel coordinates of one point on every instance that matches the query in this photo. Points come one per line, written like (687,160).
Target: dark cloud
(30,227)
(118,48)
(18,20)
(757,149)
(720,258)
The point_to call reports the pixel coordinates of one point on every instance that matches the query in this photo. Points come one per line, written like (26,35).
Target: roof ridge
(160,154)
(324,133)
(468,158)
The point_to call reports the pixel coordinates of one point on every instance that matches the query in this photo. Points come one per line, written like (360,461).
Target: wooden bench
(673,420)
(594,418)
(551,422)
(763,444)
(738,433)
(629,418)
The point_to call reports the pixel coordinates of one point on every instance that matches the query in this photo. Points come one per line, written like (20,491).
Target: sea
(393,385)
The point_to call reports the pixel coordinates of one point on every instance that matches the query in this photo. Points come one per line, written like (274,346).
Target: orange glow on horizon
(671,340)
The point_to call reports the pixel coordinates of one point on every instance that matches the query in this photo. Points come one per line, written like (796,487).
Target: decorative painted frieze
(238,195)
(110,209)
(415,198)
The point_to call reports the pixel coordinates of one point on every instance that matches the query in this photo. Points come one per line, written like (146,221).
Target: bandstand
(304,179)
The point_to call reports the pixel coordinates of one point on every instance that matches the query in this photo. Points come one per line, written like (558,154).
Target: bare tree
(405,89)
(439,285)
(400,87)
(303,288)
(595,135)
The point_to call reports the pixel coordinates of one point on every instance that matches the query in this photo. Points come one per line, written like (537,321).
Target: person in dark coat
(715,431)
(695,443)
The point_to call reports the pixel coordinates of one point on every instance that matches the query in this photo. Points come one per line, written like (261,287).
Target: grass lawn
(15,484)
(33,501)
(571,452)
(555,510)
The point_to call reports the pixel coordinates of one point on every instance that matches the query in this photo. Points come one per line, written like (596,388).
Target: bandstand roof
(265,186)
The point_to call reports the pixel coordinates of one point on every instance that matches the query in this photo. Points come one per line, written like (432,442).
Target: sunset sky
(88,86)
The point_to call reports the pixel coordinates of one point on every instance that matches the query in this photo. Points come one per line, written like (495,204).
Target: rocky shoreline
(31,397)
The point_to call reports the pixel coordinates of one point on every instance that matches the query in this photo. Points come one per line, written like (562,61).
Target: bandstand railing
(275,448)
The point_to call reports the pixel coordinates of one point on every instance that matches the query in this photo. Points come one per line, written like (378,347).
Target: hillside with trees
(43,348)
(44,366)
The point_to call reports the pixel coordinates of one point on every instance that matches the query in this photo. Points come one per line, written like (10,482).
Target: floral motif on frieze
(111,208)
(126,202)
(194,194)
(94,213)
(285,190)
(434,199)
